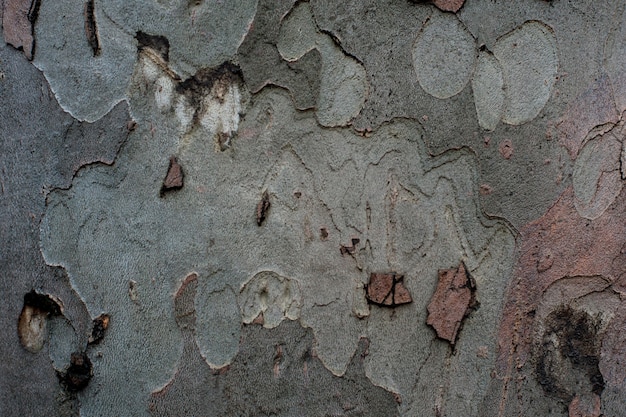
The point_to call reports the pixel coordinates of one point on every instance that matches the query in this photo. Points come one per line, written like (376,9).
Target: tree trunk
(281,207)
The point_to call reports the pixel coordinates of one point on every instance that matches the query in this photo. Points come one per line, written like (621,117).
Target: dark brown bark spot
(262,208)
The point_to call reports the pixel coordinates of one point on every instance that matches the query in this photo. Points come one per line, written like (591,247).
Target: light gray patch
(529,60)
(274,297)
(443,55)
(487,85)
(315,178)
(343,82)
(218,323)
(66,59)
(298,33)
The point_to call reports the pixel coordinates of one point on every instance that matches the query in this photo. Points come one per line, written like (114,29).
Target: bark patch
(18,22)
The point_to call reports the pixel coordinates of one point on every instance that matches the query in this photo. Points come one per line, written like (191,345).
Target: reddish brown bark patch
(174,180)
(387,289)
(453,300)
(18,21)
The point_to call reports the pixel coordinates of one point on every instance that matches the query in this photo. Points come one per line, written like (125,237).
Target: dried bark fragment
(262,208)
(91,28)
(174,180)
(387,289)
(18,21)
(452,301)
(100,325)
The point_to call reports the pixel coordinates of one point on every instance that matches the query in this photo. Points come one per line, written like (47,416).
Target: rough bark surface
(264,207)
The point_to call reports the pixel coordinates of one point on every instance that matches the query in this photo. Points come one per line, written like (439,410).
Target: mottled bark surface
(262,207)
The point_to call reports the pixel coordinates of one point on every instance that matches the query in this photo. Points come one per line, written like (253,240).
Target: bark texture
(281,207)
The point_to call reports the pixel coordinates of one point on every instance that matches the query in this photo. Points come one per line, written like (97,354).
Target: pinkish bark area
(18,17)
(567,260)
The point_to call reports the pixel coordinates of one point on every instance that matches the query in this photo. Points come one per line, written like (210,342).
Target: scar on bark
(262,208)
(387,290)
(174,180)
(91,28)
